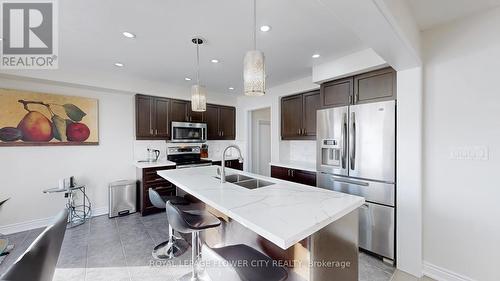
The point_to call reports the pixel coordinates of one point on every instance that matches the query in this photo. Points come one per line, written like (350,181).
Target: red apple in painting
(35,127)
(77,132)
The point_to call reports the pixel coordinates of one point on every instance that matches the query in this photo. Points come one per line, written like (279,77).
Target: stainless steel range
(186,156)
(356,154)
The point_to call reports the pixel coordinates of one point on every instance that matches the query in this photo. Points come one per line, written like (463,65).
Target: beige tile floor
(120,250)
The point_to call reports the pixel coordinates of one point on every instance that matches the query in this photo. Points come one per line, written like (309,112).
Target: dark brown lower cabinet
(294,175)
(233,164)
(149,178)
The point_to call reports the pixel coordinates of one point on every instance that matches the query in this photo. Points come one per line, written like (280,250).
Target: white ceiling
(430,13)
(91,40)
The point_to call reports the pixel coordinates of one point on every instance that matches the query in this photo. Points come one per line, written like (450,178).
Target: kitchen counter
(304,166)
(159,163)
(283,213)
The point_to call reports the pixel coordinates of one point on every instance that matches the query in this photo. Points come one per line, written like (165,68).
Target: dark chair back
(176,219)
(39,261)
(156,199)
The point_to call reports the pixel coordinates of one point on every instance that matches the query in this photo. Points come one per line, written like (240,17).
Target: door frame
(261,122)
(248,164)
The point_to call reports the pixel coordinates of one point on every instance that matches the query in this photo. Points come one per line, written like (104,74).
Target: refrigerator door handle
(352,142)
(344,141)
(349,181)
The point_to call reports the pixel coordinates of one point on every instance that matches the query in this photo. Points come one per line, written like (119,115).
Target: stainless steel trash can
(122,198)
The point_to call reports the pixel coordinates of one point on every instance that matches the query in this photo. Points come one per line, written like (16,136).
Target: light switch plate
(475,152)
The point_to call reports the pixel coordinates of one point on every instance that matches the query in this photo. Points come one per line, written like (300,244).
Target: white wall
(462,108)
(409,171)
(26,171)
(279,149)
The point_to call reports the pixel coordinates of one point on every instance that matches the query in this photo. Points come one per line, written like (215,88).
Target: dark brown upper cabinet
(375,86)
(311,103)
(162,115)
(152,118)
(181,112)
(212,120)
(195,116)
(291,117)
(155,114)
(298,116)
(227,124)
(337,93)
(221,122)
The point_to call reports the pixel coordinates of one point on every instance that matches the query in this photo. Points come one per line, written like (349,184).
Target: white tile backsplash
(301,151)
(141,147)
(215,148)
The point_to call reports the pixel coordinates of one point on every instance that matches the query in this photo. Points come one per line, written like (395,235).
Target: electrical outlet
(476,152)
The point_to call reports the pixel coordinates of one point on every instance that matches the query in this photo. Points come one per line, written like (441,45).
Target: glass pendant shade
(254,73)
(198,98)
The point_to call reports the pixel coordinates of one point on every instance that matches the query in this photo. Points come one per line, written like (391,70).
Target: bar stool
(174,246)
(197,220)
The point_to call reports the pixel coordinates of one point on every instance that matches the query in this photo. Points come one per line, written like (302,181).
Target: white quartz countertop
(283,213)
(159,163)
(304,166)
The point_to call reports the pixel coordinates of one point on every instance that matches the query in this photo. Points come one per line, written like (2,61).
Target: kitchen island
(312,231)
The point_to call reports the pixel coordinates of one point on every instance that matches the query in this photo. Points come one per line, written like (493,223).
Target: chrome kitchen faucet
(240,159)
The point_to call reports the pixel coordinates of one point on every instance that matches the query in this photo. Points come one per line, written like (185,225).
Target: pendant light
(198,92)
(254,70)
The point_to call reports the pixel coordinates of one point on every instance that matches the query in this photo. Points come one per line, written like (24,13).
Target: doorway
(261,141)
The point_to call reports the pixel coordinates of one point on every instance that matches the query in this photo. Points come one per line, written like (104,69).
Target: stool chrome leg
(198,273)
(172,248)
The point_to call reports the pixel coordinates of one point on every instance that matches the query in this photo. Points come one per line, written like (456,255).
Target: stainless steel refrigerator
(356,154)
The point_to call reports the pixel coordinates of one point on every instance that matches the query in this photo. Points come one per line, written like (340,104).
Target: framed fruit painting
(32,119)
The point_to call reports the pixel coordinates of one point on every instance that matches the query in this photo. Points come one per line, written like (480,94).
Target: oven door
(189,132)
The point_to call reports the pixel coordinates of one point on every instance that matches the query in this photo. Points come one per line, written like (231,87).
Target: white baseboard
(38,223)
(441,274)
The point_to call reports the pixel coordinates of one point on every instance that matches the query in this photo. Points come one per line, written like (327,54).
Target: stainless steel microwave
(189,132)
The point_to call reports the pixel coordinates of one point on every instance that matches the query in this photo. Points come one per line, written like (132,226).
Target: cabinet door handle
(298,132)
(288,172)
(293,174)
(151,132)
(222,133)
(156,131)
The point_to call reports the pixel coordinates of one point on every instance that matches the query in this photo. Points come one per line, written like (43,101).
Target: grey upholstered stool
(174,246)
(192,221)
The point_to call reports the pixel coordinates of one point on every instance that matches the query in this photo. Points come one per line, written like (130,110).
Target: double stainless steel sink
(246,182)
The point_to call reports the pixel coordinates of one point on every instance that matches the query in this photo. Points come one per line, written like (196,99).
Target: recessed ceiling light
(119,64)
(315,56)
(128,34)
(187,79)
(231,88)
(215,61)
(265,28)
(1,38)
